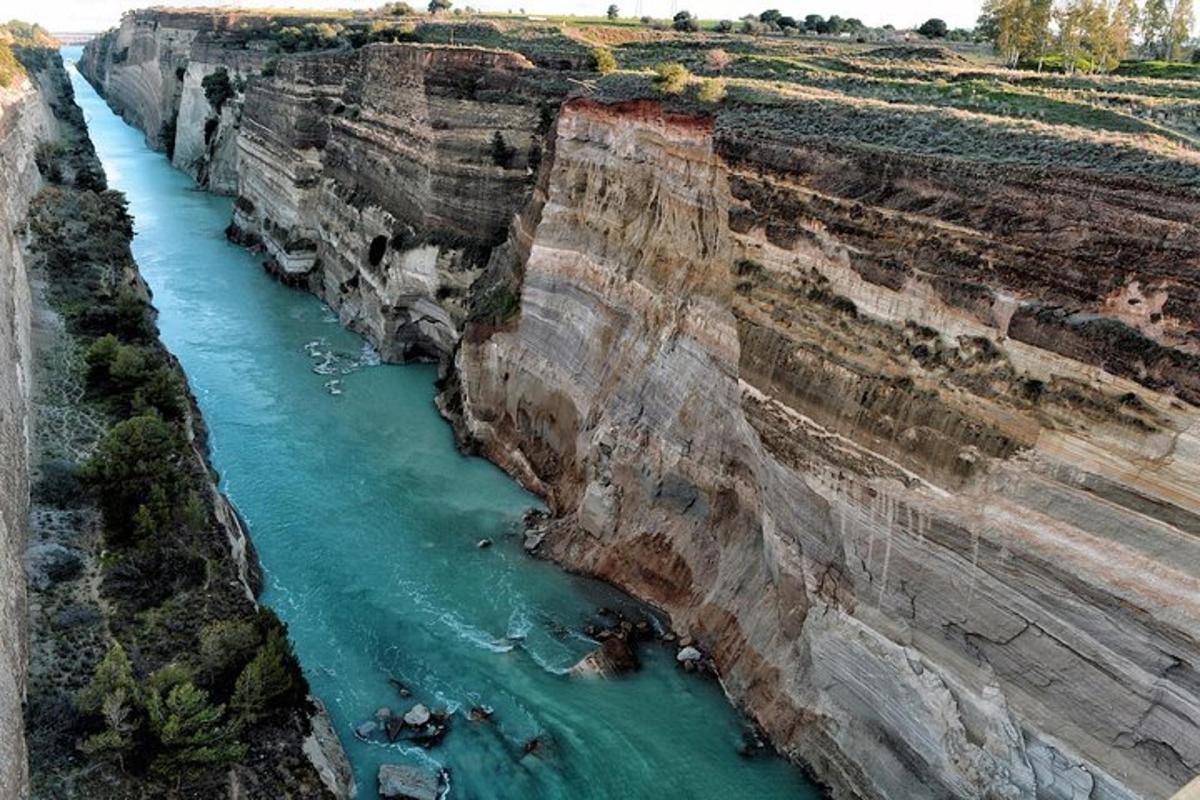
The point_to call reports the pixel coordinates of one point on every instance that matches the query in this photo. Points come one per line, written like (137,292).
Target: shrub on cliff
(502,152)
(190,729)
(217,88)
(272,678)
(136,463)
(712,90)
(671,78)
(603,60)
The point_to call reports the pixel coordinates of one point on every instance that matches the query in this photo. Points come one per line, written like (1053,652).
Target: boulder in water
(418,715)
(687,654)
(484,543)
(365,730)
(398,782)
(613,657)
(382,714)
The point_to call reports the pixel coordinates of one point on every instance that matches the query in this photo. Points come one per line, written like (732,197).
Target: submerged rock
(365,730)
(398,782)
(484,543)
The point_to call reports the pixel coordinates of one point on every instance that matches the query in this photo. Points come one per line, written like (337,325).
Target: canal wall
(893,409)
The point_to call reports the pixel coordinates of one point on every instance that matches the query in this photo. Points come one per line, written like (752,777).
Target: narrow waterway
(366,521)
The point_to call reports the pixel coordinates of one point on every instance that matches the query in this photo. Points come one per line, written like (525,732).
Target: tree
(933,28)
(613,12)
(752,25)
(835,24)
(670,78)
(265,679)
(1017,28)
(113,696)
(1179,28)
(769,16)
(191,729)
(217,88)
(1156,24)
(398,9)
(225,645)
(815,23)
(439,5)
(685,22)
(603,61)
(725,26)
(136,459)
(502,154)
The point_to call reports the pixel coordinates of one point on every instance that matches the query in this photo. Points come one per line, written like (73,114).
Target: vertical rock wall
(24,121)
(932,554)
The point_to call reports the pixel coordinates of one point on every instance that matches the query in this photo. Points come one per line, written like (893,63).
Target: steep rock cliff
(905,441)
(893,408)
(25,120)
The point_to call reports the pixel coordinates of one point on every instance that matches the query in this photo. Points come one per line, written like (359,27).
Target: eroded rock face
(923,498)
(25,120)
(895,413)
(371,176)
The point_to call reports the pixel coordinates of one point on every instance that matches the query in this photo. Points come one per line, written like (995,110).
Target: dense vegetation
(190,669)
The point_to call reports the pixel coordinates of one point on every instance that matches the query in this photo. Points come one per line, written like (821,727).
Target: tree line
(1090,35)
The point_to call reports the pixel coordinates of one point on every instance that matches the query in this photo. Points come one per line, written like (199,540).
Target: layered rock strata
(907,443)
(893,409)
(25,121)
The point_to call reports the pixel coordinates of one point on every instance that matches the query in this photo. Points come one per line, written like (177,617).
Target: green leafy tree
(1156,24)
(685,22)
(770,16)
(217,88)
(113,673)
(603,60)
(613,12)
(439,5)
(725,26)
(933,28)
(1179,28)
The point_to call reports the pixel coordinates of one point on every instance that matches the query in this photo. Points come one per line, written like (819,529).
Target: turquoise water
(366,520)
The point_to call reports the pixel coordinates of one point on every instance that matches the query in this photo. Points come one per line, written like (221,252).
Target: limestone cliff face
(896,412)
(909,444)
(371,177)
(151,69)
(25,120)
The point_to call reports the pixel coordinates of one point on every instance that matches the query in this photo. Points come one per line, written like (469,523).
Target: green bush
(712,90)
(671,78)
(603,60)
(217,88)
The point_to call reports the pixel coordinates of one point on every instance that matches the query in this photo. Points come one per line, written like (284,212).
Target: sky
(95,15)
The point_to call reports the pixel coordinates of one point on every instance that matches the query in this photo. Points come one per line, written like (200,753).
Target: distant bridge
(74,38)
